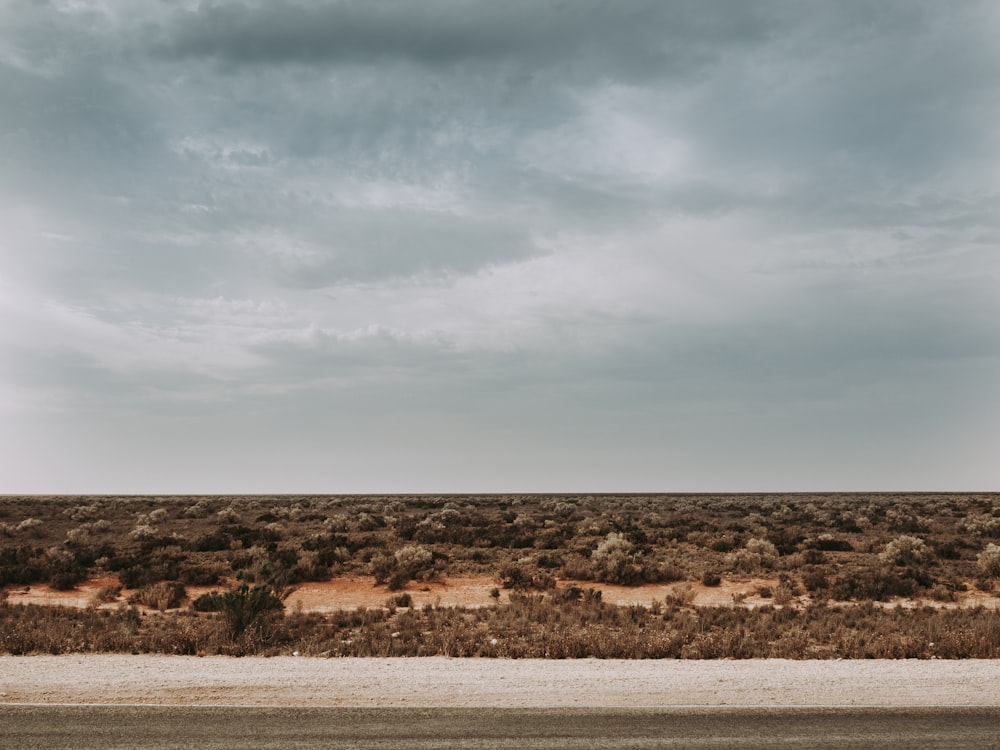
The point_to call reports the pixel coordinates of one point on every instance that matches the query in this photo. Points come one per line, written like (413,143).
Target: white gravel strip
(290,681)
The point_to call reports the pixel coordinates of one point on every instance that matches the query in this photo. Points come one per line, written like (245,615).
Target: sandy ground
(352,592)
(442,682)
(360,592)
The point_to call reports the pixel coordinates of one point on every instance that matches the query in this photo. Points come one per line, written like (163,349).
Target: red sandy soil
(361,592)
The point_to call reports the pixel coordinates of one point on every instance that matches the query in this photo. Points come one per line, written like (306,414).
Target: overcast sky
(430,246)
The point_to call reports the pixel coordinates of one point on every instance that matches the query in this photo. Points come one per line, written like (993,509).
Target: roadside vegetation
(528,626)
(831,555)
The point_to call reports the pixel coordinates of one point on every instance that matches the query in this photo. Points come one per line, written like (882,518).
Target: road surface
(56,727)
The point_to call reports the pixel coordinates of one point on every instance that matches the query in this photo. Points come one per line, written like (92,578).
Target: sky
(450,246)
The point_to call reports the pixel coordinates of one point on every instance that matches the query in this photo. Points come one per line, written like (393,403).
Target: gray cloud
(628,40)
(503,240)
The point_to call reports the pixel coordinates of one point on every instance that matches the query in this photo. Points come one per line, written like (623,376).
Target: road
(208,728)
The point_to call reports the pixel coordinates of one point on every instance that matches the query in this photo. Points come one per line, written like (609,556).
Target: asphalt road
(163,727)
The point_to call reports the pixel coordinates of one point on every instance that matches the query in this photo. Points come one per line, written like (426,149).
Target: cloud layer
(284,246)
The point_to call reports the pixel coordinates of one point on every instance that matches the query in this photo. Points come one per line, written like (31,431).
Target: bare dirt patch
(84,595)
(360,592)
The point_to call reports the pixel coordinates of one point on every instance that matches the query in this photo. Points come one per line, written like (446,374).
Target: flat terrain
(511,683)
(798,576)
(161,727)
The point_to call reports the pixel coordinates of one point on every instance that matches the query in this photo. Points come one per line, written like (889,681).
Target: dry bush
(77,536)
(756,554)
(871,584)
(199,509)
(105,595)
(82,512)
(409,562)
(710,578)
(143,532)
(616,561)
(941,593)
(815,580)
(829,543)
(518,577)
(161,596)
(251,613)
(785,593)
(31,526)
(906,550)
(980,524)
(159,515)
(681,595)
(989,561)
(414,557)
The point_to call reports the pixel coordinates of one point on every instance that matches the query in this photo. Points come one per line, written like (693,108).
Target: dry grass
(552,625)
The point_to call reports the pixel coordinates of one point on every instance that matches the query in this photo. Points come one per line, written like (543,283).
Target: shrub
(200,575)
(414,557)
(941,593)
(980,525)
(709,578)
(81,512)
(105,594)
(829,543)
(199,509)
(548,560)
(161,596)
(143,532)
(875,584)
(785,593)
(681,595)
(403,600)
(66,580)
(137,576)
(78,536)
(30,525)
(64,570)
(989,561)
(615,561)
(206,603)
(382,567)
(411,561)
(814,580)
(906,550)
(246,609)
(756,554)
(517,577)
(571,593)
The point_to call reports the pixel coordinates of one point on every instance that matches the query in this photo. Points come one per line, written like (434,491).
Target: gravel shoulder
(458,683)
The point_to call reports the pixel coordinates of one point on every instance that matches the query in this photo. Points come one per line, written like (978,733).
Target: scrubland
(837,566)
